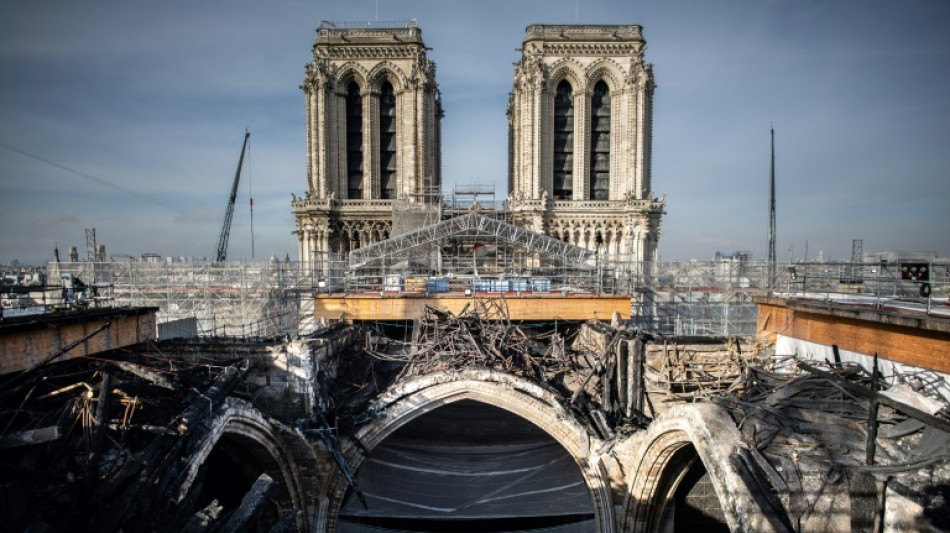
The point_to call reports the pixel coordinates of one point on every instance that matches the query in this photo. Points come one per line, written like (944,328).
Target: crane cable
(250,194)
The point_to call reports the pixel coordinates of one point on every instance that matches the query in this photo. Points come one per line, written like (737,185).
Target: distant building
(900,256)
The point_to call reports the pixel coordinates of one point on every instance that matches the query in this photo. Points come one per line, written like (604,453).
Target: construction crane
(226,227)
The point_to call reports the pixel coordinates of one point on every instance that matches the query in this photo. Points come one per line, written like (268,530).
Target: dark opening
(600,142)
(563,142)
(229,472)
(469,466)
(387,141)
(354,142)
(695,506)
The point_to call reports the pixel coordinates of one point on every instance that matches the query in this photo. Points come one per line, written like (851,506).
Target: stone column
(644,118)
(370,143)
(319,160)
(517,144)
(618,143)
(412,181)
(336,146)
(581,143)
(310,110)
(412,166)
(537,150)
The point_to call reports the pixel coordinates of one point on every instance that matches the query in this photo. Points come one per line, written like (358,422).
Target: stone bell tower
(580,119)
(373,133)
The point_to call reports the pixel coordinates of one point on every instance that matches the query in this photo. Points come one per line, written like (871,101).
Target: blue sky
(145,104)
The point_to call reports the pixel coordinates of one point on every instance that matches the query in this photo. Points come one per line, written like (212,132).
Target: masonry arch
(239,446)
(350,73)
(606,70)
(387,71)
(678,446)
(567,69)
(422,395)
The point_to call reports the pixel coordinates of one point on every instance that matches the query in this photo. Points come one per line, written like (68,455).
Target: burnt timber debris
(111,442)
(100,443)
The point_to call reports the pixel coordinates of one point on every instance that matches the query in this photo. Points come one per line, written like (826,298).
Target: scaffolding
(268,298)
(477,197)
(472,224)
(247,299)
(418,210)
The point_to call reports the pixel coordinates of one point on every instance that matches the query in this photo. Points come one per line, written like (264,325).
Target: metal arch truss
(476,225)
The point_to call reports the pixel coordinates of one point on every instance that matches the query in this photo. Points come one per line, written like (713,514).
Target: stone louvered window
(354,142)
(387,142)
(563,142)
(600,142)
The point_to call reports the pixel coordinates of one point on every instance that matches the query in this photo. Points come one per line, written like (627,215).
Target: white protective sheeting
(470,482)
(785,345)
(585,526)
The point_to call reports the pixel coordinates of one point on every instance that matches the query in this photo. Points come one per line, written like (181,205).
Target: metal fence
(231,298)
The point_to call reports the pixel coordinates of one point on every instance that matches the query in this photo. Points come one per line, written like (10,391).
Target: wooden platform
(404,306)
(905,337)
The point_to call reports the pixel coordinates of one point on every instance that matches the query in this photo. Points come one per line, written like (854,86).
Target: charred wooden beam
(147,374)
(761,489)
(97,434)
(243,518)
(31,436)
(872,416)
(863,392)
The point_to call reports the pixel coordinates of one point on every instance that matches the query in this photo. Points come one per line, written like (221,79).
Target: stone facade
(580,132)
(373,134)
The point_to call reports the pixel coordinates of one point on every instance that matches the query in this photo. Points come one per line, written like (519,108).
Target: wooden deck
(403,306)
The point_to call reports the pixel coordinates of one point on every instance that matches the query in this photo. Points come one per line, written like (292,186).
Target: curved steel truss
(471,224)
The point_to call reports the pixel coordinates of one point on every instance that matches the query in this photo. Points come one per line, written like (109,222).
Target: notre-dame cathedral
(580,129)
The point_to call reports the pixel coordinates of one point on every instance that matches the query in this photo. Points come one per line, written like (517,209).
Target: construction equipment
(222,253)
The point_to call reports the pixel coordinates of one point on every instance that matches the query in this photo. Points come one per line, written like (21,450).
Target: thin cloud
(200,215)
(101,89)
(87,176)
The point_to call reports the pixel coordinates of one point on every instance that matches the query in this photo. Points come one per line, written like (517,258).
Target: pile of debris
(821,436)
(682,368)
(103,444)
(481,336)
(110,442)
(612,378)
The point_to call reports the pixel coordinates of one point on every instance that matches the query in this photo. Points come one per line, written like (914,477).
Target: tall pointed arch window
(563,142)
(600,142)
(387,142)
(354,142)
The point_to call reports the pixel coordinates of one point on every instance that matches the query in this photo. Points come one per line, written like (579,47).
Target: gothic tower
(580,130)
(373,134)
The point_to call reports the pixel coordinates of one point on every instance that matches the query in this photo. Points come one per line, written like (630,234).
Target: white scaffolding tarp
(470,482)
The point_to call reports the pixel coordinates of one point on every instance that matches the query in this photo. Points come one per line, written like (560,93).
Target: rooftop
(379,32)
(584,32)
(888,311)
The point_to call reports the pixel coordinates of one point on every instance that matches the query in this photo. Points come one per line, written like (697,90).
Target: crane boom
(226,227)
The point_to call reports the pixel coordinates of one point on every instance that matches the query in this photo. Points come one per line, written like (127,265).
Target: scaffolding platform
(530,307)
